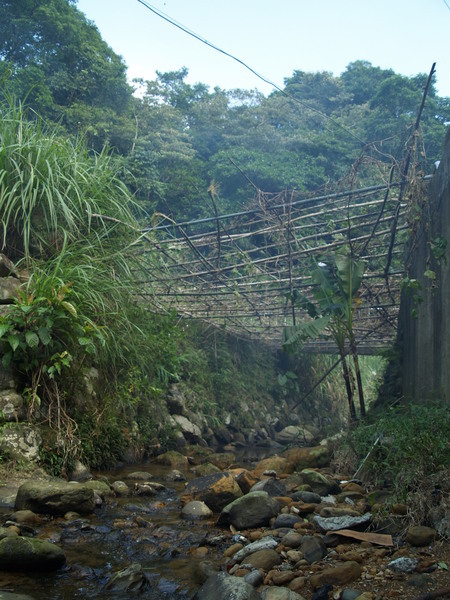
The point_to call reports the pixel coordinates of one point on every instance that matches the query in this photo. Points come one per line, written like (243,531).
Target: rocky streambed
(285,527)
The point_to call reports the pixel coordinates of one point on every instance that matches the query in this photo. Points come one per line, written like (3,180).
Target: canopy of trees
(176,137)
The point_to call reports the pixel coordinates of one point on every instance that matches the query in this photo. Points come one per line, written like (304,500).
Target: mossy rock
(25,554)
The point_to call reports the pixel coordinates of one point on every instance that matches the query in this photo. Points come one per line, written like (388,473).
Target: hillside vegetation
(85,164)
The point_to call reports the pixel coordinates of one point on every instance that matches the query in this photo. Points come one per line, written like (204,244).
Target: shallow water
(113,538)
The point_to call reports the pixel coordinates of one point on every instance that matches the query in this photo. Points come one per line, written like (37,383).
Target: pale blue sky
(276,37)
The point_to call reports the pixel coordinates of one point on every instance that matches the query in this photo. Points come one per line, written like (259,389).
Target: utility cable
(201,39)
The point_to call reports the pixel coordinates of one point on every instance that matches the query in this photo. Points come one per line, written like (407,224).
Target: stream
(125,530)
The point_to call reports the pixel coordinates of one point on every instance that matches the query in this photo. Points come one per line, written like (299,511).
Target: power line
(201,39)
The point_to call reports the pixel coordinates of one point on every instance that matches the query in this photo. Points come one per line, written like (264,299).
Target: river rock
(12,406)
(344,522)
(175,475)
(80,472)
(255,509)
(274,487)
(139,476)
(25,516)
(191,432)
(196,510)
(173,459)
(286,520)
(100,487)
(275,463)
(7,532)
(216,490)
(254,578)
(205,469)
(264,559)
(308,497)
(25,554)
(131,579)
(226,587)
(313,548)
(280,593)
(148,488)
(244,478)
(265,543)
(319,483)
(404,564)
(120,488)
(338,575)
(55,498)
(294,434)
(309,457)
(420,536)
(292,539)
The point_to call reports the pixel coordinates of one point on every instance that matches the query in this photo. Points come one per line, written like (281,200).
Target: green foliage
(337,283)
(42,333)
(413,443)
(52,191)
(58,59)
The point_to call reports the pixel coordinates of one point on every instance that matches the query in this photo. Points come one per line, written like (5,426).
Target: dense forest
(88,158)
(176,138)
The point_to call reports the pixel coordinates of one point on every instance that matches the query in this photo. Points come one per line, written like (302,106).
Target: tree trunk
(348,385)
(354,352)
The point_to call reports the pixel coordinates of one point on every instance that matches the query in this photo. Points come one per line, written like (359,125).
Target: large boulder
(12,406)
(293,434)
(9,288)
(216,490)
(312,457)
(7,267)
(226,587)
(20,442)
(275,463)
(191,432)
(55,498)
(173,459)
(274,487)
(25,554)
(252,510)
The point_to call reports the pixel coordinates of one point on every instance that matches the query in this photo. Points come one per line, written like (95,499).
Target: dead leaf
(375,538)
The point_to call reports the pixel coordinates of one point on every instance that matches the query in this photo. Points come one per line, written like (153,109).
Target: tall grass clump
(69,224)
(53,190)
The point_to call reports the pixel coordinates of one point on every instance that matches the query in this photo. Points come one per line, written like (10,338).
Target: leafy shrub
(413,444)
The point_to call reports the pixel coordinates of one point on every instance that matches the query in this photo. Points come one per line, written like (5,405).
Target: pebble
(403,564)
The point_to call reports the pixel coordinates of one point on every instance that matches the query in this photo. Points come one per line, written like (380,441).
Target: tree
(337,283)
(58,60)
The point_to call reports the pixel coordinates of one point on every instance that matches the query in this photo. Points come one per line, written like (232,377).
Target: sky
(276,37)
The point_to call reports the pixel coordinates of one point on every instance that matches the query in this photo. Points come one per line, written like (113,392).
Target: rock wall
(11,403)
(424,326)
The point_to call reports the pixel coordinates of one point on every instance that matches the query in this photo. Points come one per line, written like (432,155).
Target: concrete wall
(426,339)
